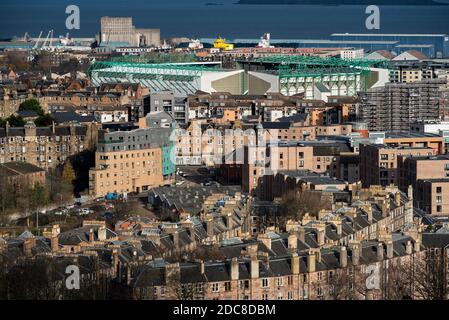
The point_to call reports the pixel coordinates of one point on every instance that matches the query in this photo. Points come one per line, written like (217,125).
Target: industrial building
(395,107)
(432,45)
(120,30)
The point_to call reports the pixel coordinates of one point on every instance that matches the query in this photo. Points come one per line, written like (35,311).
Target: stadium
(288,75)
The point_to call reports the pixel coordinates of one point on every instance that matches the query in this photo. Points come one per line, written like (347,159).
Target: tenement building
(45,147)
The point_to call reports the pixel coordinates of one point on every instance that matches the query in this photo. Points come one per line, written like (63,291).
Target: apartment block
(379,162)
(429,176)
(134,160)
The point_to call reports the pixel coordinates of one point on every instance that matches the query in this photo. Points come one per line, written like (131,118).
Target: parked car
(85,211)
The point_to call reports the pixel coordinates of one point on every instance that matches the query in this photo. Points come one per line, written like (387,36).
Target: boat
(221,44)
(165,46)
(66,41)
(195,44)
(265,41)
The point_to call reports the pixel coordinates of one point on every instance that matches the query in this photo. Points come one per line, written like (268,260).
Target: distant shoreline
(344,2)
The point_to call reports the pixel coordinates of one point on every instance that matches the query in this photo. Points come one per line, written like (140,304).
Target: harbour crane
(37,42)
(46,39)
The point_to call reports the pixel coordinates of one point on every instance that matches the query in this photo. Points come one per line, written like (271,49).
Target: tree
(295,205)
(68,174)
(16,121)
(2,123)
(429,277)
(32,105)
(42,62)
(17,61)
(44,120)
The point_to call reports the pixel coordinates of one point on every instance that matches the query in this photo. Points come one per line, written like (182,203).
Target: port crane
(48,40)
(37,42)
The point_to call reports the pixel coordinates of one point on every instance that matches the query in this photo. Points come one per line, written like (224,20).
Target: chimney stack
(385,207)
(302,234)
(295,263)
(28,246)
(321,235)
(390,251)
(229,221)
(409,248)
(265,239)
(91,235)
(397,198)
(343,257)
(210,227)
(234,269)
(254,268)
(292,242)
(102,233)
(380,251)
(311,263)
(355,251)
(54,243)
(410,193)
(417,245)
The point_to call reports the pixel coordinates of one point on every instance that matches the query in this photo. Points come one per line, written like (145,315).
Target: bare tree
(295,205)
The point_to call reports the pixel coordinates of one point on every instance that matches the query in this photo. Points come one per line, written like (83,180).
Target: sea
(198,19)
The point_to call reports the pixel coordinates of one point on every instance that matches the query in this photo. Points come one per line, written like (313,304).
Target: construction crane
(37,42)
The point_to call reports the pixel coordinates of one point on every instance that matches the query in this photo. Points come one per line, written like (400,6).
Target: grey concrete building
(121,29)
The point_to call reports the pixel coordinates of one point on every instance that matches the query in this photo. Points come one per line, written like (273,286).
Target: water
(194,19)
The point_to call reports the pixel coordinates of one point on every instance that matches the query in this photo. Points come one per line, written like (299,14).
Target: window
(244,284)
(264,296)
(265,283)
(290,295)
(215,287)
(228,286)
(290,280)
(280,281)
(438,189)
